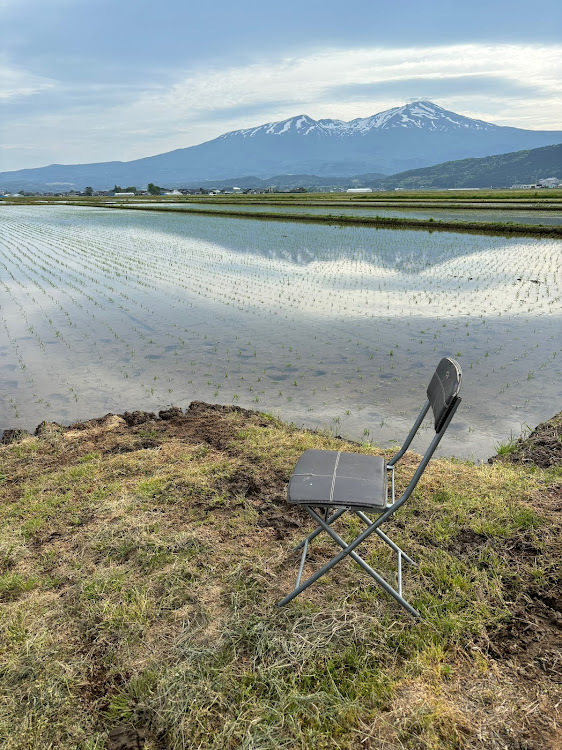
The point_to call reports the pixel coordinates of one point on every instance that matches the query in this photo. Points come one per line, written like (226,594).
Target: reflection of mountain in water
(400,250)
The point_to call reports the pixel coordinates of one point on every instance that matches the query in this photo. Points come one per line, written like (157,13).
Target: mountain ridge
(503,170)
(525,166)
(416,135)
(413,113)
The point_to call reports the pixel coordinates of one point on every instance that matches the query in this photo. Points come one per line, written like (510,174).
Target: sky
(101,80)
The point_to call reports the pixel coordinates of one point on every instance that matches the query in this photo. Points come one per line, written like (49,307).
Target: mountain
(416,135)
(502,170)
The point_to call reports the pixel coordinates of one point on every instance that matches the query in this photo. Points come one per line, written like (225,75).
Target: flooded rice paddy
(327,326)
(513,216)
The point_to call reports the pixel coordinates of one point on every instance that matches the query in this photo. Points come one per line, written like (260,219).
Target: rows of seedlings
(324,324)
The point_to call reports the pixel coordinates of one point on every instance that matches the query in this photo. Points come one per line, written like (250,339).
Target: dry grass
(140,565)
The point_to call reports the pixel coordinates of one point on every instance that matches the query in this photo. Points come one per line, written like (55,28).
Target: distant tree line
(119,189)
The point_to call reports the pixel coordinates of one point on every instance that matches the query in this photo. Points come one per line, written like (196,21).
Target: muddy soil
(532,637)
(543,447)
(203,423)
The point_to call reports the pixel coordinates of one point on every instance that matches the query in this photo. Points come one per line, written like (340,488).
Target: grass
(138,588)
(405,196)
(505,447)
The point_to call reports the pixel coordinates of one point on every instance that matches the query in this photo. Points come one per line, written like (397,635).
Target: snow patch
(420,114)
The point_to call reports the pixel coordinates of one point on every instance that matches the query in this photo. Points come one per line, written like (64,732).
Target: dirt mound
(13,436)
(137,417)
(125,738)
(201,424)
(532,636)
(542,447)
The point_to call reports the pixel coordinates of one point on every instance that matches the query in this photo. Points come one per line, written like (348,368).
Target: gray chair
(335,482)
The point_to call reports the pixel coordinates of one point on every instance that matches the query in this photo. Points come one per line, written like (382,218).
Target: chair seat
(335,478)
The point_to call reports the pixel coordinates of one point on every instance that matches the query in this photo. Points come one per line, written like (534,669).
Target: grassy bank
(141,559)
(471,227)
(537,197)
(369,203)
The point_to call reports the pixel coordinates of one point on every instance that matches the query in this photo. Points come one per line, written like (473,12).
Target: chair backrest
(443,398)
(443,390)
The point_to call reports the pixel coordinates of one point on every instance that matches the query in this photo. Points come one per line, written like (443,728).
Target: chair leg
(399,552)
(301,567)
(305,542)
(385,538)
(347,549)
(314,534)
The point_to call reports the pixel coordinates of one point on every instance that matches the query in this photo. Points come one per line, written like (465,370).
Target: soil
(542,447)
(125,738)
(532,637)
(12,436)
(202,423)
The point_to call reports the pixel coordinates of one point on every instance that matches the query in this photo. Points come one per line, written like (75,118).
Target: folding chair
(336,482)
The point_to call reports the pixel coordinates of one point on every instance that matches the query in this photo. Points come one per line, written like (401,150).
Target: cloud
(257,110)
(429,87)
(16,82)
(335,79)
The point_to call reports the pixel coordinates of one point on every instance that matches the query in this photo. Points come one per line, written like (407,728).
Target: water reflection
(327,326)
(506,214)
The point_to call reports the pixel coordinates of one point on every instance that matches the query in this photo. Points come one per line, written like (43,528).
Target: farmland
(141,557)
(329,326)
(516,216)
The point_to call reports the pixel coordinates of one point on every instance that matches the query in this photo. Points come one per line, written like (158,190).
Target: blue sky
(100,80)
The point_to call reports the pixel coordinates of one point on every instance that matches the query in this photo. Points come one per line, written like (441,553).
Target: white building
(360,190)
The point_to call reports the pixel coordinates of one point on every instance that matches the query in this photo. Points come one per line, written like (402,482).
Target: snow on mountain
(302,123)
(419,114)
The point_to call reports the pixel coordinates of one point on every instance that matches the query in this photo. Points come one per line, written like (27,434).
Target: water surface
(513,216)
(327,326)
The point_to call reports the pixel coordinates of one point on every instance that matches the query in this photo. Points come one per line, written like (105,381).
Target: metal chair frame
(372,526)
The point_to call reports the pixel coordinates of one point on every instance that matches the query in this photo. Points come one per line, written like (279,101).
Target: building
(548,182)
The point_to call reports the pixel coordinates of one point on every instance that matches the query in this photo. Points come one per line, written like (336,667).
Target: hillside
(415,135)
(311,182)
(141,558)
(501,170)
